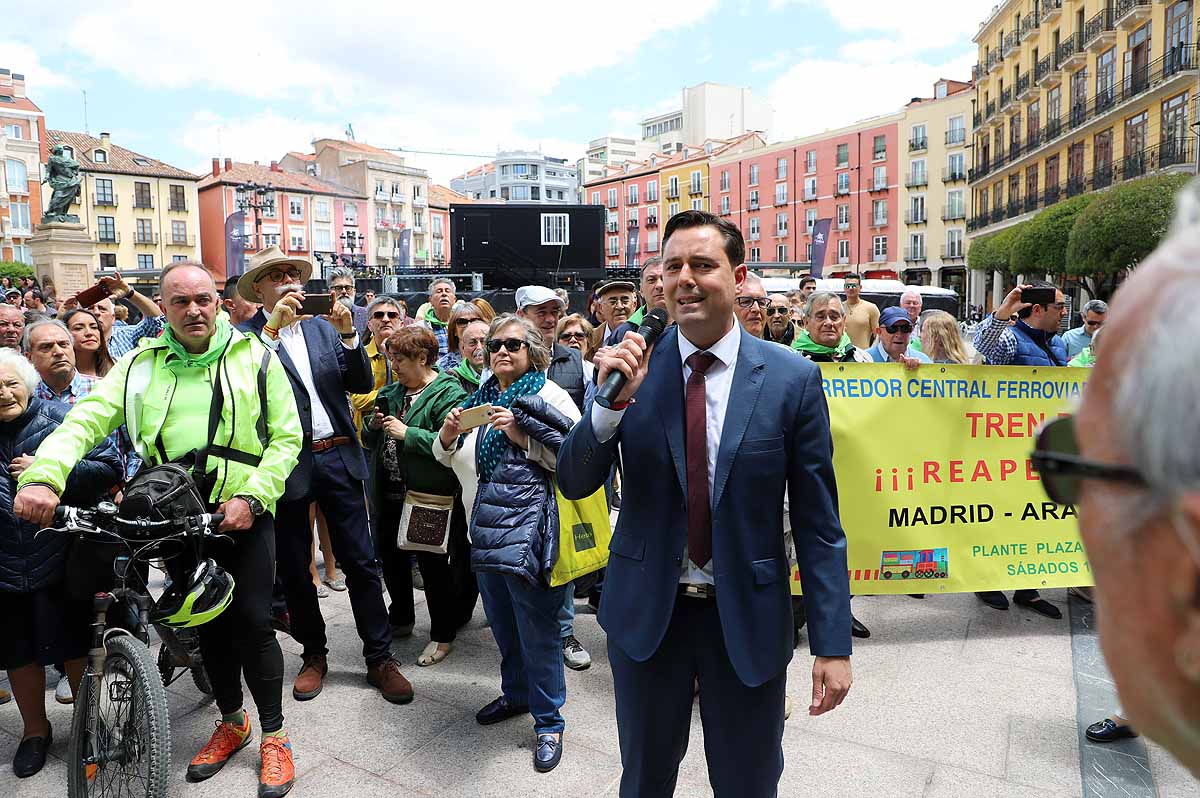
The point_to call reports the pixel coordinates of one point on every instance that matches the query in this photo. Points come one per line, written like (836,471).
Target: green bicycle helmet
(204,596)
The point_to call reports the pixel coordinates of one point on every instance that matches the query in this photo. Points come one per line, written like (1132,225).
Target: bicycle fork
(97,657)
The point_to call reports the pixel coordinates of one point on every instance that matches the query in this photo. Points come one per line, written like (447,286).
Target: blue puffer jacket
(514,526)
(29,563)
(1035,346)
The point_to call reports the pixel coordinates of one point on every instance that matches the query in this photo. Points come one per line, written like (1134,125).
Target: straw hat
(260,262)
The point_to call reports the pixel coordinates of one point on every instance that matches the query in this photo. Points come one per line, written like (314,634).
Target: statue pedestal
(64,258)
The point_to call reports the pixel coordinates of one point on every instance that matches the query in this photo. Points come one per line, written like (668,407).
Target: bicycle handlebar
(82,520)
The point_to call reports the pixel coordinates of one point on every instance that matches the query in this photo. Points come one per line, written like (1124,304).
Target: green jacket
(421,472)
(1085,359)
(138,392)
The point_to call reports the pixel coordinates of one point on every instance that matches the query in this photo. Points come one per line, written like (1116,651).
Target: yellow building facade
(140,212)
(1074,96)
(684,185)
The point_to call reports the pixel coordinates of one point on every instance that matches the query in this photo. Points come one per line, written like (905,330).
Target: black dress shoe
(1108,731)
(547,752)
(994,599)
(31,755)
(857,629)
(497,711)
(1038,605)
(916,595)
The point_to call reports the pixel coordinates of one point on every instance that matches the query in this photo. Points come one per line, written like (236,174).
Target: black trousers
(451,591)
(343,500)
(240,641)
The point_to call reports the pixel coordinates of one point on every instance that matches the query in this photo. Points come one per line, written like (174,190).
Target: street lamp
(352,240)
(260,200)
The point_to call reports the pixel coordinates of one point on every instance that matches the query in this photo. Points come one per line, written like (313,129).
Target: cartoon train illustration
(915,564)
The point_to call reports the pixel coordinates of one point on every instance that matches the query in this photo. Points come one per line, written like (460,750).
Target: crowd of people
(347,432)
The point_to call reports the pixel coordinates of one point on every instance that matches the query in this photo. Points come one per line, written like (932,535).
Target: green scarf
(466,372)
(1085,359)
(432,318)
(638,315)
(216,345)
(495,442)
(805,343)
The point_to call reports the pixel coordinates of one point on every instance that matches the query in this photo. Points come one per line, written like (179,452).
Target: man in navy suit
(698,582)
(324,359)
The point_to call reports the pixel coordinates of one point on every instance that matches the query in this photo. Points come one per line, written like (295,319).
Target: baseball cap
(889,316)
(612,285)
(12,291)
(535,295)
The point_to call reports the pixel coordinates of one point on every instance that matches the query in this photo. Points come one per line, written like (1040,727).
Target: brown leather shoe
(308,682)
(392,685)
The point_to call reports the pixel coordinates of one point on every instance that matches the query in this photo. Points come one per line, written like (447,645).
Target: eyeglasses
(511,344)
(747,301)
(619,301)
(851,285)
(464,321)
(342,289)
(573,336)
(1057,460)
(778,311)
(277,276)
(1093,323)
(899,327)
(385,314)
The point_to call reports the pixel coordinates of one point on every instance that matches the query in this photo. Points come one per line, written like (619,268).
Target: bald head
(190,304)
(910,300)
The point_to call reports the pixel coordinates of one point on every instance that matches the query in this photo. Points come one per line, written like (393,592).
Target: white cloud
(23,59)
(926,25)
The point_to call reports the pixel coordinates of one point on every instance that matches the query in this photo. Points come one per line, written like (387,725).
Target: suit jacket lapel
(748,375)
(665,383)
(313,334)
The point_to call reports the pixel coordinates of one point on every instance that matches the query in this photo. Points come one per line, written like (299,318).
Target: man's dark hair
(735,245)
(36,294)
(229,290)
(806,280)
(853,276)
(1025,313)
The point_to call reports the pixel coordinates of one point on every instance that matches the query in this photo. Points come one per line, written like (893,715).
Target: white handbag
(425,522)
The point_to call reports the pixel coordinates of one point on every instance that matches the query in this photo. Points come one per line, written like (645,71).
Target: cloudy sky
(253,80)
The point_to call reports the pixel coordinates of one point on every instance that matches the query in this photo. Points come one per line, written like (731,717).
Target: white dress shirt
(292,339)
(718,381)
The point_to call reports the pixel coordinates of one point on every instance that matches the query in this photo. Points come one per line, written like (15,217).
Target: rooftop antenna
(349,132)
(85,118)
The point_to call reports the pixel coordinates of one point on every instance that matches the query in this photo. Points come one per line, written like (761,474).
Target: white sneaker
(574,655)
(62,693)
(787,707)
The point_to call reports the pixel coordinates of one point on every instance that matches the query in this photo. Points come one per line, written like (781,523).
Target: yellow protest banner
(936,489)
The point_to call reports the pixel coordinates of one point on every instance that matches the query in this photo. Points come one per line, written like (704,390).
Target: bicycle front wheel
(130,751)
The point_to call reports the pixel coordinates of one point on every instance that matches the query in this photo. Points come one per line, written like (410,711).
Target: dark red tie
(696,451)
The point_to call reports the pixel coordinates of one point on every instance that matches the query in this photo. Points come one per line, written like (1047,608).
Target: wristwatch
(256,507)
(350,336)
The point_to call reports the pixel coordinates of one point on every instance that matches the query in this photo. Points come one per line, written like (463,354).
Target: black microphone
(652,327)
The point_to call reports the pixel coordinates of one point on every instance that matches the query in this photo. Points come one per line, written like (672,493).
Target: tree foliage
(1041,247)
(15,270)
(992,253)
(1119,229)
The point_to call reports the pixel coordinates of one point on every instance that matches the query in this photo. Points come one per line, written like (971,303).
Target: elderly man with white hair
(912,303)
(1129,462)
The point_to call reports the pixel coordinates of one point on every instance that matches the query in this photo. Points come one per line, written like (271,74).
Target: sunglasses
(343,289)
(747,301)
(851,285)
(511,344)
(778,311)
(385,314)
(1058,462)
(464,321)
(573,336)
(899,327)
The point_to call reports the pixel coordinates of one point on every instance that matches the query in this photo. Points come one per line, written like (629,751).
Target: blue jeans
(566,613)
(524,621)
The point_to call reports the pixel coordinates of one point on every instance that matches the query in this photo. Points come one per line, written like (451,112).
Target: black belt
(698,591)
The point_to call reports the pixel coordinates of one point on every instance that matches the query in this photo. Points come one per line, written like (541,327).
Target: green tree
(993,252)
(15,270)
(1119,229)
(1041,247)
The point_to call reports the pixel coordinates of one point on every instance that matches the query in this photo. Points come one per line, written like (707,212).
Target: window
(350,214)
(14,132)
(612,198)
(295,208)
(436,223)
(810,161)
(880,178)
(418,222)
(145,262)
(955,209)
(68,151)
(145,231)
(810,188)
(177,201)
(17,176)
(141,195)
(672,209)
(954,243)
(652,215)
(652,241)
(396,218)
(810,220)
(697,204)
(918,175)
(505,169)
(781,168)
(322,210)
(754,174)
(754,255)
(844,250)
(879,248)
(519,193)
(879,212)
(957,165)
(916,208)
(781,194)
(100,156)
(520,168)
(754,228)
(843,183)
(612,246)
(595,197)
(652,191)
(322,239)
(919,140)
(725,205)
(843,156)
(556,230)
(916,246)
(879,152)
(104,192)
(416,191)
(956,130)
(754,200)
(808,252)
(633,193)
(781,253)
(179,233)
(397,190)
(380,216)
(19,216)
(781,224)
(108,260)
(631,216)
(695,187)
(439,249)
(380,191)
(673,186)
(843,217)
(106,229)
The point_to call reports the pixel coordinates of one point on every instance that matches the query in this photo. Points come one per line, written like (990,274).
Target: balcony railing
(976,120)
(1006,98)
(753,204)
(1014,150)
(1031,201)
(178,207)
(1053,129)
(979,172)
(652,221)
(1102,175)
(143,202)
(1070,51)
(879,221)
(107,238)
(915,216)
(1023,86)
(694,188)
(1013,208)
(810,194)
(1045,73)
(1051,9)
(956,135)
(917,144)
(143,239)
(631,199)
(631,224)
(998,214)
(181,241)
(1051,195)
(105,200)
(1034,139)
(420,202)
(914,254)
(780,232)
(398,198)
(839,191)
(1130,14)
(878,185)
(1078,184)
(1010,44)
(917,180)
(672,193)
(381,195)
(1099,31)
(953,175)
(991,110)
(844,225)
(993,60)
(1029,26)
(951,214)
(781,199)
(952,251)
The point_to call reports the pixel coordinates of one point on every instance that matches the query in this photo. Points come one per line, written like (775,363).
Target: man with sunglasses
(894,340)
(1080,338)
(779,321)
(383,319)
(1032,340)
(341,285)
(862,317)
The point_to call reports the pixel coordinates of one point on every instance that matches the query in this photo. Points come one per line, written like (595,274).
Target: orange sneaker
(278,772)
(226,741)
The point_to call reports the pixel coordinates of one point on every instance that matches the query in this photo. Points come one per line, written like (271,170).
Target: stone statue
(63,177)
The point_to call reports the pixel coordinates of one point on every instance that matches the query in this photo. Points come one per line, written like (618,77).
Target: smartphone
(1038,296)
(90,296)
(381,406)
(317,305)
(475,417)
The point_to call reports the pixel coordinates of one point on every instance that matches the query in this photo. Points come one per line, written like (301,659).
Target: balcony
(631,199)
(780,200)
(1078,185)
(843,259)
(978,222)
(631,224)
(1071,53)
(383,224)
(652,221)
(397,198)
(298,246)
(993,60)
(754,204)
(104,200)
(1030,26)
(918,144)
(1099,33)
(1013,209)
(1006,99)
(956,136)
(1077,115)
(672,192)
(177,207)
(1130,14)
(142,239)
(917,180)
(1102,177)
(998,214)
(1024,84)
(1011,41)
(976,120)
(611,227)
(952,251)
(1015,149)
(781,232)
(953,214)
(695,188)
(912,216)
(420,202)
(1051,9)
(1046,74)
(878,221)
(1034,139)
(1051,195)
(181,241)
(840,191)
(914,254)
(107,238)
(990,115)
(844,225)
(1106,98)
(977,71)
(383,251)
(879,257)
(879,185)
(381,195)
(754,235)
(146,202)
(810,194)
(1053,129)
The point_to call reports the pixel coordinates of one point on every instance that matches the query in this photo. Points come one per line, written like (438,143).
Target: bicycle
(120,742)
